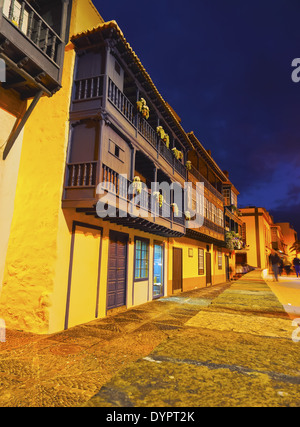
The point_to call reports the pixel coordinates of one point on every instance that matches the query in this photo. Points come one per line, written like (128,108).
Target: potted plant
(177,153)
(188,165)
(163,135)
(143,108)
(166,140)
(187,215)
(159,198)
(137,185)
(15,21)
(234,240)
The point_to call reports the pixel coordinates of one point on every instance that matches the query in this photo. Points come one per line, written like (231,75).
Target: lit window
(219,260)
(141,269)
(200,261)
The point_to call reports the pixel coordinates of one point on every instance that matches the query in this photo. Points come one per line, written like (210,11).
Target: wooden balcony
(153,218)
(91,94)
(207,184)
(32,50)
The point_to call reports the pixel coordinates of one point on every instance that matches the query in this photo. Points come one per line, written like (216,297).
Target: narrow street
(227,345)
(238,351)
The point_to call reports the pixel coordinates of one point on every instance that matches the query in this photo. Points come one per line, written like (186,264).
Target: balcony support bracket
(16,132)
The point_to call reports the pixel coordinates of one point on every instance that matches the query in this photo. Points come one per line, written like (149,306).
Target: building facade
(258,223)
(98,214)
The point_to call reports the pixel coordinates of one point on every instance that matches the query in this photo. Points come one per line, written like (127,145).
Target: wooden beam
(17,131)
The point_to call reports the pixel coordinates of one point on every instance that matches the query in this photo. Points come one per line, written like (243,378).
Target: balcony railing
(207,184)
(88,88)
(117,184)
(24,17)
(81,174)
(126,108)
(120,101)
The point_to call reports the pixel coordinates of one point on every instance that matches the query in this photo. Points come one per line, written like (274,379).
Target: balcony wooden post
(133,156)
(11,10)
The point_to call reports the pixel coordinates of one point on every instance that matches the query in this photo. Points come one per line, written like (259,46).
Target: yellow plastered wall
(251,240)
(11,109)
(190,275)
(36,238)
(137,292)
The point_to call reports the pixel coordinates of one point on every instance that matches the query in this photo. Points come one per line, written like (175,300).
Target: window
(158,270)
(141,269)
(226,194)
(233,199)
(219,260)
(200,261)
(116,151)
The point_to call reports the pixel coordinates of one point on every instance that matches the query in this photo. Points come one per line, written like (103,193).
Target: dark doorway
(227,268)
(177,270)
(117,270)
(208,269)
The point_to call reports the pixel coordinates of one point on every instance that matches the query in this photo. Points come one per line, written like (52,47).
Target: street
(238,351)
(287,291)
(228,345)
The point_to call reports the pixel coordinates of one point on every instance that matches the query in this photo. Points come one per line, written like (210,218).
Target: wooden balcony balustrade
(126,108)
(23,16)
(120,101)
(207,184)
(119,185)
(81,174)
(88,88)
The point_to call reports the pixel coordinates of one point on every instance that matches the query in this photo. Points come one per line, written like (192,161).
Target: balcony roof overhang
(138,223)
(111,31)
(207,157)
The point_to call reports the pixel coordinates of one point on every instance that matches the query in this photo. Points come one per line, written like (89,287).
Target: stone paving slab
(236,351)
(68,368)
(264,326)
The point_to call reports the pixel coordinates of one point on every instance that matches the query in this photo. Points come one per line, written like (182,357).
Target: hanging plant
(234,240)
(14,21)
(166,140)
(159,198)
(177,153)
(187,215)
(163,135)
(137,185)
(175,208)
(188,165)
(143,108)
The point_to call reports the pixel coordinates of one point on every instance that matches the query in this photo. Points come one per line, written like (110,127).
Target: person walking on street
(296,262)
(274,261)
(287,266)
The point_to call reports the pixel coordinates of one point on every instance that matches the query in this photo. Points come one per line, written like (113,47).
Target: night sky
(225,67)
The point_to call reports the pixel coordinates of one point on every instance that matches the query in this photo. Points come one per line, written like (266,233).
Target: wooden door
(227,268)
(208,269)
(177,270)
(117,270)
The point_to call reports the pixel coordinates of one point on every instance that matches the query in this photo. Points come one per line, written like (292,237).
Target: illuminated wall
(39,239)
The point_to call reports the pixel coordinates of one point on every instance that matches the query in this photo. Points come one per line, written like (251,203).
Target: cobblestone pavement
(69,368)
(237,351)
(227,345)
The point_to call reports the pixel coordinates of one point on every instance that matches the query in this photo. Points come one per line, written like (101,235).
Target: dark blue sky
(225,67)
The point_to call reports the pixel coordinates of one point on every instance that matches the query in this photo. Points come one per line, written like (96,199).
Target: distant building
(289,238)
(258,223)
